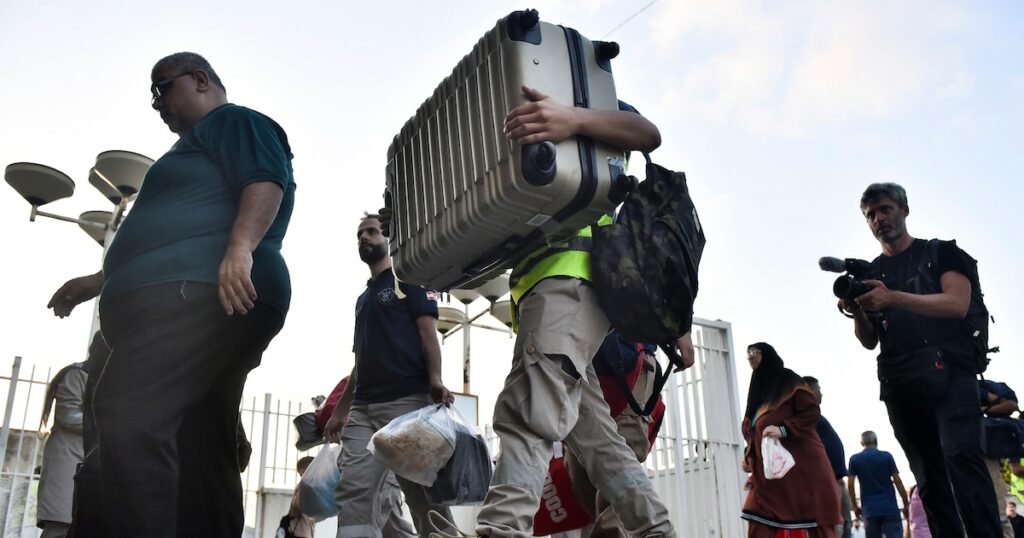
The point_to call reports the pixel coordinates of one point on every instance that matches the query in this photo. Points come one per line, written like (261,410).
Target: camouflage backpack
(644,265)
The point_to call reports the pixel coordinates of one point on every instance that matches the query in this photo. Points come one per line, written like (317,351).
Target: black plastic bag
(467,475)
(309,435)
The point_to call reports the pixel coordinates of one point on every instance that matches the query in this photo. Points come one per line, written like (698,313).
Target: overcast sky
(779,112)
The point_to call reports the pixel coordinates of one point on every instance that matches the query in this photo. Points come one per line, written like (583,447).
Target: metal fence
(694,465)
(22,448)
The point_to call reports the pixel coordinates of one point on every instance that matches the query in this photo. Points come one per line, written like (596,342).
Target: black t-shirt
(902,332)
(390,363)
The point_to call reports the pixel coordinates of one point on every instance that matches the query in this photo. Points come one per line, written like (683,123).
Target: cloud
(795,69)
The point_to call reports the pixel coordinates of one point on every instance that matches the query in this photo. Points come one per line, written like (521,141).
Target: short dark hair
(1011,502)
(811,380)
(888,190)
(187,62)
(303,463)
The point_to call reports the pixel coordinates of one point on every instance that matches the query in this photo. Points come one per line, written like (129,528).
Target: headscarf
(771,384)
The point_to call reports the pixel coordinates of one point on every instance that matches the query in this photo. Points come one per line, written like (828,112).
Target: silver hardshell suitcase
(467,202)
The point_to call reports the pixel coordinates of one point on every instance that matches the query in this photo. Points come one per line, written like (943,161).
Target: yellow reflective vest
(1015,482)
(569,259)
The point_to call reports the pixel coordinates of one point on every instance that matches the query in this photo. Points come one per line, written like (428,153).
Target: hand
(856,511)
(332,430)
(440,394)
(684,345)
(234,281)
(879,298)
(849,306)
(773,431)
(385,220)
(75,292)
(542,119)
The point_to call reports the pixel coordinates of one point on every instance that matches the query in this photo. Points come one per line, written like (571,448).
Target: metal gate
(694,465)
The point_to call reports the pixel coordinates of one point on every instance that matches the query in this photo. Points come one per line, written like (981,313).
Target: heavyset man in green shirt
(193,289)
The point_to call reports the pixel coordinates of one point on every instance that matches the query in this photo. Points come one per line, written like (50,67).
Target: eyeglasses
(160,87)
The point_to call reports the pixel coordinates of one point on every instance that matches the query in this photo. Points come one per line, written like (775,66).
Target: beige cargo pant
(361,494)
(633,429)
(995,470)
(553,394)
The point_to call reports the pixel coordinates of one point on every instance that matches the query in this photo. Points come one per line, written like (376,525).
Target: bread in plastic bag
(316,489)
(416,445)
(467,475)
(777,460)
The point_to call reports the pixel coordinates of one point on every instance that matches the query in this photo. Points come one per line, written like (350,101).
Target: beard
(373,253)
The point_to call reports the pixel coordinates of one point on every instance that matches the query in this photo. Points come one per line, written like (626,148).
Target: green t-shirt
(178,227)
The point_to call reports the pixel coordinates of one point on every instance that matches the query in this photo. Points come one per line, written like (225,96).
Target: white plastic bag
(416,445)
(777,460)
(316,489)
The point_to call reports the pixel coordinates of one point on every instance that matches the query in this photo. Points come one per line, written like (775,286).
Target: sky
(780,113)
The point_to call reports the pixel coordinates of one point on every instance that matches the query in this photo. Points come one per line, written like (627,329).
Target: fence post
(263,465)
(6,430)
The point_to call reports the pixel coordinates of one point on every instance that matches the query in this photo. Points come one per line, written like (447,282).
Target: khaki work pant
(633,429)
(995,470)
(552,394)
(360,494)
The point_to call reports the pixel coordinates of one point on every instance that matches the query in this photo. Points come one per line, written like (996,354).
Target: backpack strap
(661,377)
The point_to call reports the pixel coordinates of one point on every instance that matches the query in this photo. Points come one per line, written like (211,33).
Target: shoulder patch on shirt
(386,296)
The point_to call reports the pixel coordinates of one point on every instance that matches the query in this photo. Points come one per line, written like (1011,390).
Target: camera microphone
(832,265)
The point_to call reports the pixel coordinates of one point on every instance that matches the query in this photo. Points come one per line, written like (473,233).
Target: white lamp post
(452,319)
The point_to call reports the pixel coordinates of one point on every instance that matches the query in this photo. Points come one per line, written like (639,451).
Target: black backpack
(974,327)
(644,265)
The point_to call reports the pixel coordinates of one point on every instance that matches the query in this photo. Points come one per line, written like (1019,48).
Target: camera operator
(918,309)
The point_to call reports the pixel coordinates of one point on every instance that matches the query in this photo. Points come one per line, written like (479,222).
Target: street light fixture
(118,175)
(94,223)
(38,184)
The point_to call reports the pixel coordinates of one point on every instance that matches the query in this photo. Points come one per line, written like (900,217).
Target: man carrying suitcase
(552,393)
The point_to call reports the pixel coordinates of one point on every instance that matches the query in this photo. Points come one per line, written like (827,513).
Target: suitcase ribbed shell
(466,205)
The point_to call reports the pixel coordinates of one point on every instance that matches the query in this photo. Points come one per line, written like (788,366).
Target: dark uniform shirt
(390,362)
(833,447)
(902,332)
(178,227)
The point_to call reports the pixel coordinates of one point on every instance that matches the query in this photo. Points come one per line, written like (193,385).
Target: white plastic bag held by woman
(777,460)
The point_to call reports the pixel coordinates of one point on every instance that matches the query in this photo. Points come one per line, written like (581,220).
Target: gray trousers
(360,494)
(553,394)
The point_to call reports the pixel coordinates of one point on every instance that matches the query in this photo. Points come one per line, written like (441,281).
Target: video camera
(850,285)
